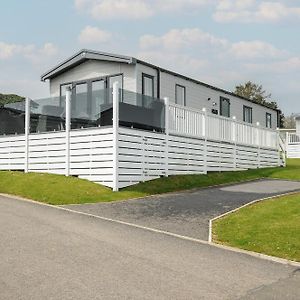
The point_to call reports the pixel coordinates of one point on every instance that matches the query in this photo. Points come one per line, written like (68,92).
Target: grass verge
(59,190)
(271,227)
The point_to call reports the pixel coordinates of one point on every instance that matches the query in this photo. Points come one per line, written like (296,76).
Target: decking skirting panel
(90,154)
(12,152)
(141,155)
(293,150)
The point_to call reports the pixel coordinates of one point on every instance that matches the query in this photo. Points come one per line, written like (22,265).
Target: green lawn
(57,190)
(271,227)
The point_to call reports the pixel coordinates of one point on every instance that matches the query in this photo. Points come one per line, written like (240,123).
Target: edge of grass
(269,226)
(61,190)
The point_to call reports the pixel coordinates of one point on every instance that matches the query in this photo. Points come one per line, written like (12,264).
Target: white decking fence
(292,145)
(194,142)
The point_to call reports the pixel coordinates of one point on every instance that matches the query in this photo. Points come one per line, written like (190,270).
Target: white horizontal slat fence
(292,145)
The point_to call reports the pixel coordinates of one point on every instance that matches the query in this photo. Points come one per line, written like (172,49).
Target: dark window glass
(148,85)
(268,120)
(247,114)
(224,107)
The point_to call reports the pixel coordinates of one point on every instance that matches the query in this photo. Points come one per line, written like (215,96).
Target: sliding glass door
(90,98)
(98,98)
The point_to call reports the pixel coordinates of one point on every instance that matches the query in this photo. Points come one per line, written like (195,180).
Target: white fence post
(278,146)
(68,128)
(234,138)
(167,129)
(27,132)
(115,136)
(258,143)
(204,134)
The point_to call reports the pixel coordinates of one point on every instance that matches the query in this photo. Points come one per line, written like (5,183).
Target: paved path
(49,253)
(188,213)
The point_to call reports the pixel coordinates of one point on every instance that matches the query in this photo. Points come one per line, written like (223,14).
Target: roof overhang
(83,56)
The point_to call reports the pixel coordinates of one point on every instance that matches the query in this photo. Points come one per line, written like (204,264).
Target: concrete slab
(264,187)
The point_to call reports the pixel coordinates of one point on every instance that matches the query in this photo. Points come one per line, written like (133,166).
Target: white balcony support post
(258,143)
(115,136)
(234,138)
(278,145)
(27,132)
(167,132)
(68,128)
(204,135)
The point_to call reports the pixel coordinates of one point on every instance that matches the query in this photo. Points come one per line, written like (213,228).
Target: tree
(290,122)
(11,98)
(253,91)
(257,94)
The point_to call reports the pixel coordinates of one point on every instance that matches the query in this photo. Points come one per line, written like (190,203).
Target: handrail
(188,121)
(218,116)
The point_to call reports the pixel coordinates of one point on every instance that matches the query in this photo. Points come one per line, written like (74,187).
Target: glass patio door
(98,98)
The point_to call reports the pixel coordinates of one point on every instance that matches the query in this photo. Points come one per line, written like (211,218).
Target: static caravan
(91,72)
(117,121)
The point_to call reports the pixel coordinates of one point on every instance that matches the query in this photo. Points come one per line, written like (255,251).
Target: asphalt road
(49,253)
(188,213)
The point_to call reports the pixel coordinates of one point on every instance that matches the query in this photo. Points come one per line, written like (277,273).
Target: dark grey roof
(85,54)
(82,56)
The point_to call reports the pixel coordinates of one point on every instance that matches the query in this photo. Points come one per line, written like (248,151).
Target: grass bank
(271,227)
(58,190)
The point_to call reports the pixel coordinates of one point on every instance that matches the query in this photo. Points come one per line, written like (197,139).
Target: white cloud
(186,64)
(7,50)
(31,87)
(136,9)
(216,60)
(30,51)
(194,40)
(291,64)
(108,9)
(255,49)
(94,35)
(249,11)
(180,5)
(177,39)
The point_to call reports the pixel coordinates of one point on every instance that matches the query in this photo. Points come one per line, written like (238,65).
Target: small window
(180,95)
(224,107)
(148,85)
(268,120)
(247,114)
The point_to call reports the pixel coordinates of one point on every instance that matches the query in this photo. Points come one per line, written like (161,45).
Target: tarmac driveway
(187,213)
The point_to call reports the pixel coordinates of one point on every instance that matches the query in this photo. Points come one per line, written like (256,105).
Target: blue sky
(221,42)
